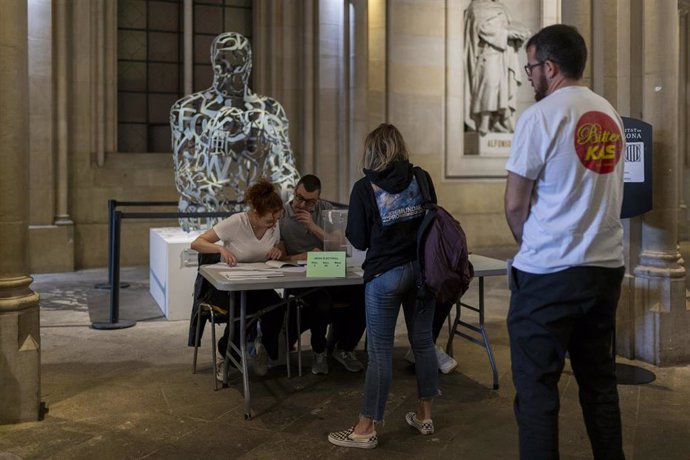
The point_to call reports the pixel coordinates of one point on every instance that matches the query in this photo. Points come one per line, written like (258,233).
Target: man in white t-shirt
(563,201)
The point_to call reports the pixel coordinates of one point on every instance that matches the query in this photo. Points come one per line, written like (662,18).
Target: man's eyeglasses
(529,67)
(301,199)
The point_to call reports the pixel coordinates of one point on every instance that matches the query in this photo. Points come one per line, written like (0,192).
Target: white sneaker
(219,369)
(319,364)
(409,356)
(445,363)
(260,360)
(348,360)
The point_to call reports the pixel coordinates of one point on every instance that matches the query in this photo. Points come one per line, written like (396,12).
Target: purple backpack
(445,267)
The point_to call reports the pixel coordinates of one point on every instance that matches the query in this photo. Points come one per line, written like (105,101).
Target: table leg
(477,329)
(452,332)
(231,337)
(485,338)
(243,357)
(213,344)
(299,340)
(286,328)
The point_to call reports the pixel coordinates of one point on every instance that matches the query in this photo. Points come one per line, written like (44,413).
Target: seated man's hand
(305,218)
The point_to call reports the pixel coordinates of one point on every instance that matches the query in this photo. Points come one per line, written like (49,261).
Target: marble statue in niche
(226,138)
(492,71)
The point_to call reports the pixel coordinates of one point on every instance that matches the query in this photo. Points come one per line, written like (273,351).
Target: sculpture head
(231,55)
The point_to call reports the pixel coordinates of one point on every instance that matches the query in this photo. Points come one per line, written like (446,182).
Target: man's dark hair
(310,182)
(562,45)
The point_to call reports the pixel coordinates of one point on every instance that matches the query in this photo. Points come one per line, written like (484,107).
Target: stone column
(188,40)
(579,14)
(19,322)
(376,67)
(359,91)
(660,315)
(284,49)
(684,117)
(62,114)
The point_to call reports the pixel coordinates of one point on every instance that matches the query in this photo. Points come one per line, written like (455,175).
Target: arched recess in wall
(458,162)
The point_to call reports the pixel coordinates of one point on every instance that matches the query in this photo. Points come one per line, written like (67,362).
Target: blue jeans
(383,296)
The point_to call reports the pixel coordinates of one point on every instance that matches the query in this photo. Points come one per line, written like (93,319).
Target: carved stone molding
(683,7)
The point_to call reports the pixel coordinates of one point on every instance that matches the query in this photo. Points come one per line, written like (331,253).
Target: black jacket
(386,208)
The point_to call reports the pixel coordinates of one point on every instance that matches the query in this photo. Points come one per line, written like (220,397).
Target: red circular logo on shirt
(598,142)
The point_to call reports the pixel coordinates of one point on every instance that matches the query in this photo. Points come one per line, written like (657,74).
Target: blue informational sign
(637,189)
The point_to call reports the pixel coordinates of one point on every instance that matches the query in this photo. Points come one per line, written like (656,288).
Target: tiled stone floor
(130,393)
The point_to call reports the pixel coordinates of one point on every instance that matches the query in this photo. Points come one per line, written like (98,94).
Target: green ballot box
(326,264)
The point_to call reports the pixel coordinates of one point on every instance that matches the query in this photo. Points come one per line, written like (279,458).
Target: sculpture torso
(223,143)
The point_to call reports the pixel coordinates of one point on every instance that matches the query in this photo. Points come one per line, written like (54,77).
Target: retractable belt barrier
(115,218)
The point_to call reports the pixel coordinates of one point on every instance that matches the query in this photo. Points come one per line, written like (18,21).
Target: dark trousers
(349,321)
(271,322)
(314,316)
(322,308)
(572,311)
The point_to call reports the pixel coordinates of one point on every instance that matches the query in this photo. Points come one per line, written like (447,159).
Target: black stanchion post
(112,206)
(114,223)
(114,269)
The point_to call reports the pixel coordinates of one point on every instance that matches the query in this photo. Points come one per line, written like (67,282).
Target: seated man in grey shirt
(301,232)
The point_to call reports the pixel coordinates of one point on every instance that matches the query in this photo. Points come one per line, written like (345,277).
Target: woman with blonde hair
(386,209)
(251,236)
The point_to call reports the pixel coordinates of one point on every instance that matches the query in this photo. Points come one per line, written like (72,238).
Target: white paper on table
(250,274)
(246,266)
(300,269)
(253,270)
(358,271)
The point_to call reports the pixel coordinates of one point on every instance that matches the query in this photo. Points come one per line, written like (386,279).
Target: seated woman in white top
(251,236)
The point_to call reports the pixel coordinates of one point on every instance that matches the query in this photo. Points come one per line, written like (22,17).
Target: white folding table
(288,280)
(483,267)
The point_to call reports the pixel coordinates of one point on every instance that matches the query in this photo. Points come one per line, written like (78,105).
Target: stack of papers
(257,270)
(243,273)
(283,264)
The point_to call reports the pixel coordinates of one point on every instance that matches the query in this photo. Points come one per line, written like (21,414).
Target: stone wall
(339,71)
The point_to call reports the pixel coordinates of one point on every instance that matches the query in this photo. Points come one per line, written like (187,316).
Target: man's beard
(541,92)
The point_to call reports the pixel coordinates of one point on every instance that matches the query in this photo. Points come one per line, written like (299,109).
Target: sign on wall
(637,190)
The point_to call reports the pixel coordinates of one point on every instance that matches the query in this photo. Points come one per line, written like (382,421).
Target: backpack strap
(423,183)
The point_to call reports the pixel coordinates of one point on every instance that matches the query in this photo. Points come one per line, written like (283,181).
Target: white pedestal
(171,279)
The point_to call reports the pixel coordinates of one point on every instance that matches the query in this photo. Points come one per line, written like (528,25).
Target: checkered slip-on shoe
(348,438)
(424,426)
